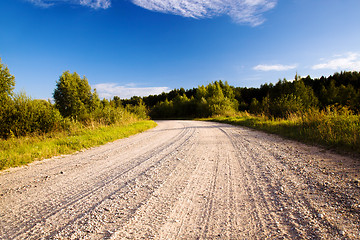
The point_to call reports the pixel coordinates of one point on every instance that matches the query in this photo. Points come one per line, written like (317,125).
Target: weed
(23,150)
(333,127)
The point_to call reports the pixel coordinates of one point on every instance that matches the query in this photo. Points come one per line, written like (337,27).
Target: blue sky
(141,47)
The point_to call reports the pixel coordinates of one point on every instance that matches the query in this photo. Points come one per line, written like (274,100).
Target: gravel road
(185,180)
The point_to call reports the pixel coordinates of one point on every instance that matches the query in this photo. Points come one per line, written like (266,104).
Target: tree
(305,93)
(73,96)
(21,115)
(221,99)
(116,102)
(7,84)
(255,106)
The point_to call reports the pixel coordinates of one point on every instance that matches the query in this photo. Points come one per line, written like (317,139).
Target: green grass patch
(339,130)
(23,150)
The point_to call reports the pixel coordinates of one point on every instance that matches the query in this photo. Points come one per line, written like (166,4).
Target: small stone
(320,215)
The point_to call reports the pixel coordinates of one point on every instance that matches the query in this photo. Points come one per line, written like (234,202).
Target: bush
(216,98)
(24,116)
(286,105)
(140,110)
(334,125)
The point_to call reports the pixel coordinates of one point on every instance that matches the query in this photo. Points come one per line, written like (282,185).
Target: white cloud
(242,11)
(42,3)
(109,90)
(349,61)
(96,4)
(276,67)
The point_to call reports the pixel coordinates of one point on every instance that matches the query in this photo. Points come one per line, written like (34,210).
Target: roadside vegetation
(335,128)
(322,111)
(33,129)
(23,150)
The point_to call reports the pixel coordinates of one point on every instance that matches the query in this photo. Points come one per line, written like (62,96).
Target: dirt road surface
(185,180)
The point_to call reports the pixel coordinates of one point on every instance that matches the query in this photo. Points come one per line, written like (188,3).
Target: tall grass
(22,150)
(337,128)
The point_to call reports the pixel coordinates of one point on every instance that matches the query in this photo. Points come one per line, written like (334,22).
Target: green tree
(19,114)
(221,99)
(7,84)
(116,102)
(73,96)
(183,106)
(305,93)
(94,101)
(255,106)
(140,109)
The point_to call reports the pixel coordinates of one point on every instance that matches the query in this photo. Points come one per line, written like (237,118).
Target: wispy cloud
(242,11)
(349,61)
(109,90)
(96,4)
(42,3)
(276,67)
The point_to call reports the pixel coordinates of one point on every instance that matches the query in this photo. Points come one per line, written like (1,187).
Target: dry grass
(18,151)
(337,128)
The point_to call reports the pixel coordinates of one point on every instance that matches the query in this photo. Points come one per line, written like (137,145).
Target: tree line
(278,100)
(286,97)
(75,103)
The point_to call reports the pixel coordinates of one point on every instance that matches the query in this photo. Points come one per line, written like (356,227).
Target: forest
(280,100)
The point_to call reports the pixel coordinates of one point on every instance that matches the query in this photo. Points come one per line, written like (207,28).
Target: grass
(23,150)
(337,129)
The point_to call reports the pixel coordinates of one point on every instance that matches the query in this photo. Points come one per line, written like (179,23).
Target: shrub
(26,116)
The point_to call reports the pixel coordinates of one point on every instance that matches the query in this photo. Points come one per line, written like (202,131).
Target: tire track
(46,213)
(297,214)
(185,180)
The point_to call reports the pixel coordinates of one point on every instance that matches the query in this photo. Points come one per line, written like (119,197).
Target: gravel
(185,180)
